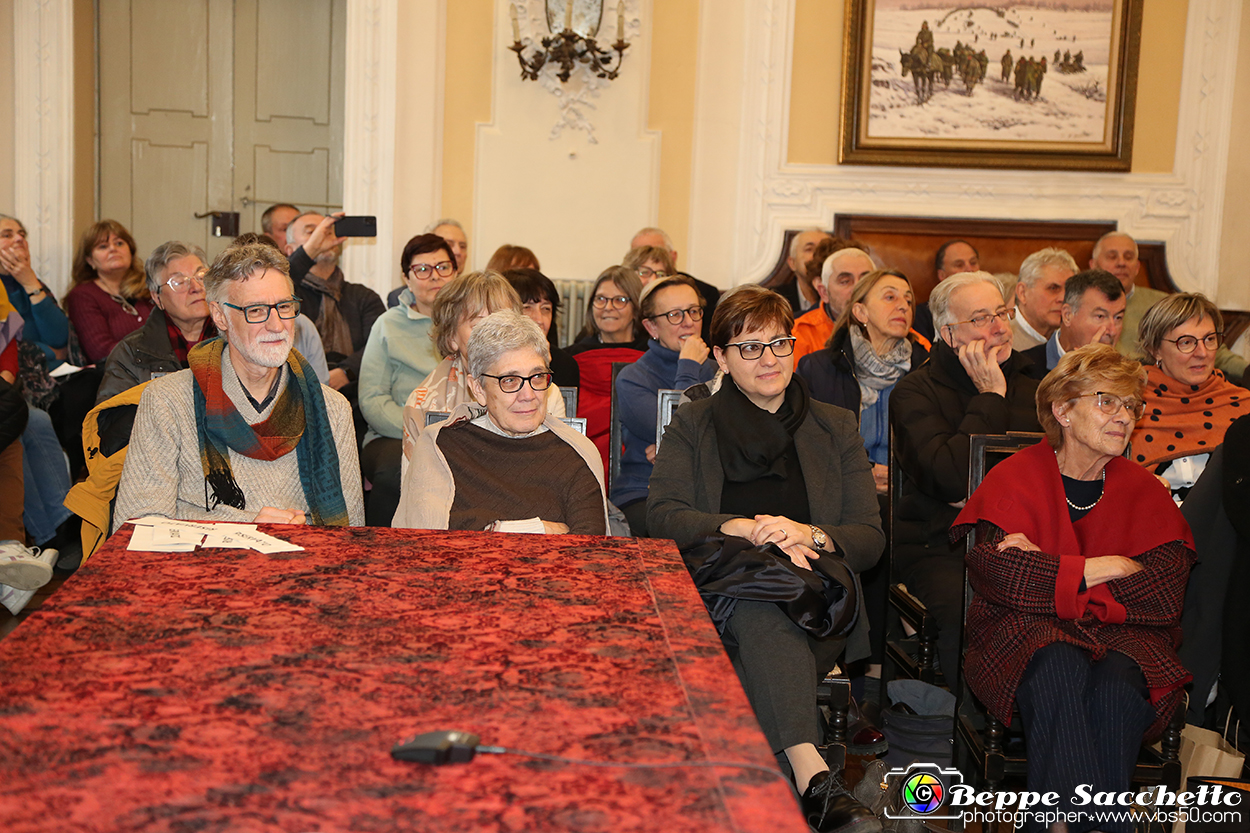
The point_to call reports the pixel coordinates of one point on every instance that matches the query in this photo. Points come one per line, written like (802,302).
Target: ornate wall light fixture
(574,43)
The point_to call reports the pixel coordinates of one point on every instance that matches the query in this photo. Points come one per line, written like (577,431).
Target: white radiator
(574,299)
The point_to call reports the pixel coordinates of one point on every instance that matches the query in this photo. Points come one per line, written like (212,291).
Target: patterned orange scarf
(1182,419)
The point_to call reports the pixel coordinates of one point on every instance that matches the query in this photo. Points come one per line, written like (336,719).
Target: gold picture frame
(1073,114)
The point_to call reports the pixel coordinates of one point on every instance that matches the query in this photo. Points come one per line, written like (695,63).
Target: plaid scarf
(298,422)
(179,342)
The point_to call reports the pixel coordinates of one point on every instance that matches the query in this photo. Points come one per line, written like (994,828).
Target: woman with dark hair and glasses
(514,468)
(676,357)
(612,313)
(540,301)
(1189,404)
(761,460)
(397,357)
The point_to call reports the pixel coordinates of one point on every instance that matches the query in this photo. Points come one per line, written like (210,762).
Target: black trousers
(1083,724)
(779,665)
(635,513)
(380,464)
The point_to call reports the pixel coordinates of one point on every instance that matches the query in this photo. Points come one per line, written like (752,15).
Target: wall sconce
(572,45)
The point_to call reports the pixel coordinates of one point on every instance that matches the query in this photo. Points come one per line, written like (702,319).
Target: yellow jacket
(92,499)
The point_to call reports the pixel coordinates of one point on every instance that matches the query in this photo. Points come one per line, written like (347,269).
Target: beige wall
(674,28)
(467,102)
(84,184)
(817,79)
(6,107)
(1235,239)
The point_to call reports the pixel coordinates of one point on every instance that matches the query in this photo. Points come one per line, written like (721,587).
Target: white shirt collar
(1024,325)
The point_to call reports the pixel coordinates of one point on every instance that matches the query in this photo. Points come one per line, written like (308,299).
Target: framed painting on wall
(1015,84)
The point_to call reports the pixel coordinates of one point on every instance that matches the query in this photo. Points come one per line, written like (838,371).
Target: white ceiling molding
(369,136)
(43,122)
(1183,208)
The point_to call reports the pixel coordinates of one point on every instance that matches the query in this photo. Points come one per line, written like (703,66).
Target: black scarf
(751,441)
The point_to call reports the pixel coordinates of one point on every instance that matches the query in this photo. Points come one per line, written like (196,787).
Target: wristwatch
(819,538)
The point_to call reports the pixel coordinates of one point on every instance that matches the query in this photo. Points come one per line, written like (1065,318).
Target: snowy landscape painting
(1001,83)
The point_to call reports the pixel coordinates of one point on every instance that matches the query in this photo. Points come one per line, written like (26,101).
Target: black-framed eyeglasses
(752,350)
(426,271)
(617,301)
(512,384)
(182,283)
(676,316)
(1111,404)
(259,313)
(1188,344)
(1005,315)
(647,273)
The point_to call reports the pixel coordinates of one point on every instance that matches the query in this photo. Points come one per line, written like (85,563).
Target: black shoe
(829,808)
(865,737)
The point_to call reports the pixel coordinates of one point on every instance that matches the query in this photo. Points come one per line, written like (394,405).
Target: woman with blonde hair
(110,297)
(1189,404)
(463,302)
(1079,573)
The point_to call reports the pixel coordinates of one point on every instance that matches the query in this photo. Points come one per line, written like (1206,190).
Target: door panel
(215,105)
(288,131)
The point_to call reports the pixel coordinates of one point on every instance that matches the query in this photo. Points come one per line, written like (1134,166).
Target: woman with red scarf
(1079,574)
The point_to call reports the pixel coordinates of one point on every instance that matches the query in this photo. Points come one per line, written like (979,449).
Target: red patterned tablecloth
(226,690)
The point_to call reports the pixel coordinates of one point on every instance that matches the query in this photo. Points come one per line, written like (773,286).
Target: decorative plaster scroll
(1183,208)
(43,45)
(369,135)
(575,98)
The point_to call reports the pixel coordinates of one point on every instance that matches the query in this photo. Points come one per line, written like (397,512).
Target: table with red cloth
(229,690)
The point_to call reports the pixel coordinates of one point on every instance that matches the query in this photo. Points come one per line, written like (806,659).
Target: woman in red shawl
(1189,404)
(1079,574)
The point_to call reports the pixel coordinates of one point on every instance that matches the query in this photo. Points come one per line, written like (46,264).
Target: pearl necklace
(1100,493)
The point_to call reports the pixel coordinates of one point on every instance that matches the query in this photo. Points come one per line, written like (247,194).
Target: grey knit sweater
(163,474)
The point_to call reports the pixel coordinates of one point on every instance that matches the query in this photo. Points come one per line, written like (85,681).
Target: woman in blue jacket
(676,358)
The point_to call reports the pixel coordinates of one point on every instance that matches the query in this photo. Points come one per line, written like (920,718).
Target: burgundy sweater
(100,321)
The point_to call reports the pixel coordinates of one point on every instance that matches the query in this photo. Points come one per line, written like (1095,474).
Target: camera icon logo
(923,790)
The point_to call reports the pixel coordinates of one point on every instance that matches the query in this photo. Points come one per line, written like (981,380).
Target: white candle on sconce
(516,28)
(620,20)
(568,14)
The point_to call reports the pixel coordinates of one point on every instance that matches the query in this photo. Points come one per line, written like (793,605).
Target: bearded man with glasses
(514,468)
(973,383)
(247,432)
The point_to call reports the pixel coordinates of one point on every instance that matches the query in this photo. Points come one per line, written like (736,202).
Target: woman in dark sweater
(760,460)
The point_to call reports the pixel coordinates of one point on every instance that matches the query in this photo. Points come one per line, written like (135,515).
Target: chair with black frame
(913,655)
(988,752)
(614,429)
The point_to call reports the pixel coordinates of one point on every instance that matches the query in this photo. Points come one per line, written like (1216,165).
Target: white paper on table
(168,534)
(144,539)
(259,541)
(532,526)
(65,369)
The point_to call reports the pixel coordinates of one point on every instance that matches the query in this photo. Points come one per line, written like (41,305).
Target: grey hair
(502,332)
(1171,312)
(20,224)
(1098,246)
(446,221)
(162,255)
(940,297)
(1075,287)
(668,241)
(826,268)
(238,263)
(293,227)
(1031,268)
(794,241)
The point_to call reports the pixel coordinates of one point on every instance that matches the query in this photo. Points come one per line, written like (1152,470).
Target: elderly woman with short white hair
(514,467)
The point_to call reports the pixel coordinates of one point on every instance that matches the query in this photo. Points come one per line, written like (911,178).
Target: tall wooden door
(218,105)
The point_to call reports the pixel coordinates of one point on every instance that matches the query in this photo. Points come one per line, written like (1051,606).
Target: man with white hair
(651,236)
(801,292)
(973,383)
(1039,297)
(838,276)
(246,433)
(1116,252)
